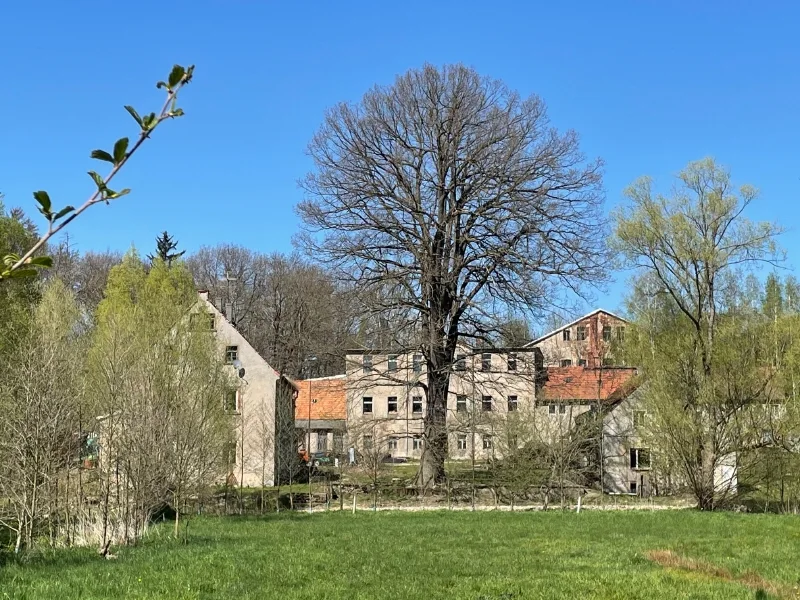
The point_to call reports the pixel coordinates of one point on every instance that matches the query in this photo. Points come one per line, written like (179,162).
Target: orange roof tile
(329,393)
(580,383)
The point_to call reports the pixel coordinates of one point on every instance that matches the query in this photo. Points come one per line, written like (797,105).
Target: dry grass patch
(670,560)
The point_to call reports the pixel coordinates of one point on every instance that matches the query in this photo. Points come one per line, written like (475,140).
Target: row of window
(392,363)
(416,442)
(567,362)
(416,404)
(581,332)
(460,363)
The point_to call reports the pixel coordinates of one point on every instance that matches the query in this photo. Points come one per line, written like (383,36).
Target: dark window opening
(512,403)
(231,354)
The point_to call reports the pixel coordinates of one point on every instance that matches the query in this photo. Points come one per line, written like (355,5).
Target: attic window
(565,335)
(568,379)
(231,354)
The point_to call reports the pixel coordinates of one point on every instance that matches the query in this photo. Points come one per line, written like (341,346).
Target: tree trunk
(434,452)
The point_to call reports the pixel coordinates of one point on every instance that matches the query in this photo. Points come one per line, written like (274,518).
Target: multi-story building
(585,342)
(261,406)
(386,399)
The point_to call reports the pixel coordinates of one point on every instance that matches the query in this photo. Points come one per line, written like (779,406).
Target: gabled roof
(202,300)
(583,384)
(573,323)
(330,396)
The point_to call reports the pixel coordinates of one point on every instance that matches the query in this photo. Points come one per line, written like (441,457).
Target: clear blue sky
(648,85)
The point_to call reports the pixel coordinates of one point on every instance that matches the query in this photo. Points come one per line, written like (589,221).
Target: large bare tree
(457,200)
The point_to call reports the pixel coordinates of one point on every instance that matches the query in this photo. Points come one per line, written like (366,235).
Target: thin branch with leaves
(28,265)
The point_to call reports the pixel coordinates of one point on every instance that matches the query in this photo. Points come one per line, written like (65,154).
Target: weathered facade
(386,399)
(585,342)
(261,407)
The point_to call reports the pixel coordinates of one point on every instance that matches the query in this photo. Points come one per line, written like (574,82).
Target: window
(202,320)
(231,403)
(640,458)
(231,354)
(366,405)
(391,404)
(322,441)
(638,418)
(608,362)
(512,362)
(606,333)
(486,362)
(367,442)
(461,362)
(461,404)
(230,454)
(562,409)
(633,487)
(551,409)
(417,363)
(366,362)
(581,331)
(566,362)
(565,335)
(391,363)
(416,443)
(512,403)
(620,334)
(416,404)
(392,443)
(486,403)
(338,442)
(487,442)
(581,362)
(462,442)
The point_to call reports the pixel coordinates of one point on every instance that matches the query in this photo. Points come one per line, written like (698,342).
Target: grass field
(477,556)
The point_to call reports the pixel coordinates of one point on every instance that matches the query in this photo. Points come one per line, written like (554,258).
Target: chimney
(229,312)
(203,294)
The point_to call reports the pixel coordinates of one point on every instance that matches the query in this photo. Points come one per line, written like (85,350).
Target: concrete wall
(397,431)
(254,422)
(619,436)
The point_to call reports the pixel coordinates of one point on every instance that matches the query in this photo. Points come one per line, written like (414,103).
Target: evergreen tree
(165,249)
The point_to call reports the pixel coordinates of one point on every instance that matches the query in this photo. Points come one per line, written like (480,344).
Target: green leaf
(101,185)
(43,198)
(120,149)
(134,114)
(23,273)
(111,194)
(149,121)
(40,261)
(62,212)
(102,155)
(178,112)
(176,75)
(161,84)
(10,259)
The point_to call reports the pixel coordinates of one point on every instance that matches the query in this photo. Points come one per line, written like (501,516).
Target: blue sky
(648,85)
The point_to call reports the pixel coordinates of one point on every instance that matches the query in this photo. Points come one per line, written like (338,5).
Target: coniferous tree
(166,248)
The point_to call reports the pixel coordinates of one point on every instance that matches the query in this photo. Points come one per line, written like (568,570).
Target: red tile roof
(580,383)
(329,393)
